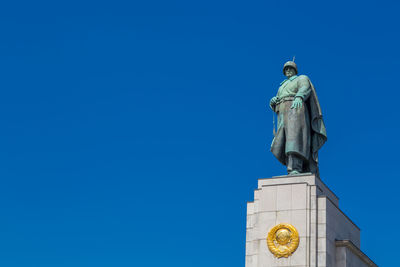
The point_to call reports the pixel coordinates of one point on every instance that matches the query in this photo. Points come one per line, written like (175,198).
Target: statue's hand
(297,102)
(273,101)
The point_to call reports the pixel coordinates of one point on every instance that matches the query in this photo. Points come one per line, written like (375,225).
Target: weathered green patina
(301,130)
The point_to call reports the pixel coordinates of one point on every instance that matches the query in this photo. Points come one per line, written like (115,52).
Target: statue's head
(290,69)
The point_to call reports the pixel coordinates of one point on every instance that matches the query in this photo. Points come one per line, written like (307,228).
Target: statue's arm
(304,91)
(304,87)
(273,101)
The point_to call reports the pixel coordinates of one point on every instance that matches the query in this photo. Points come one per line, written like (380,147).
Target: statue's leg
(278,144)
(297,129)
(294,164)
(313,166)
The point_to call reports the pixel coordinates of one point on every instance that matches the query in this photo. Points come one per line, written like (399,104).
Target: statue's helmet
(290,64)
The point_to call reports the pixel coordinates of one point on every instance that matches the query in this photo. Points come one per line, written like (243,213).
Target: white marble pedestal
(328,238)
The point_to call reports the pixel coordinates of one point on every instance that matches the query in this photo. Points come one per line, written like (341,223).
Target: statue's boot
(294,164)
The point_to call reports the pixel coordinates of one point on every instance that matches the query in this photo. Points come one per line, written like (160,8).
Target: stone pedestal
(328,238)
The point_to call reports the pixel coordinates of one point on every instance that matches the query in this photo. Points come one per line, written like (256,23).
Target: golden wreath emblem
(283,240)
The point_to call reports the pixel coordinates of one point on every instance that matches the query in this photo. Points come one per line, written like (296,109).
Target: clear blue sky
(133,133)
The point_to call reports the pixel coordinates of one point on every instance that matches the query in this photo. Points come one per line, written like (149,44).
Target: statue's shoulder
(303,77)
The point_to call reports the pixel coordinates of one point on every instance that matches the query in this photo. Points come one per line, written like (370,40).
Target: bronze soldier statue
(301,131)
